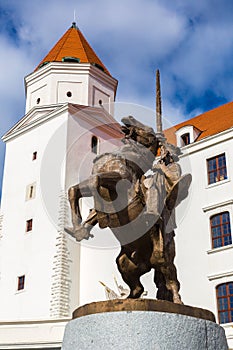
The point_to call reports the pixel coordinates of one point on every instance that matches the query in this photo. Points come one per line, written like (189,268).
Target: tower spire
(158,104)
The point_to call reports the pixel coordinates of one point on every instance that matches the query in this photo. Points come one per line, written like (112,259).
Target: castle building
(204,235)
(44,273)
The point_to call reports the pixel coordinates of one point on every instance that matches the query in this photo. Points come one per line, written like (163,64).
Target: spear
(158,104)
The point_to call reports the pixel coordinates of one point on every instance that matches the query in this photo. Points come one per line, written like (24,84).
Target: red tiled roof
(209,123)
(73,44)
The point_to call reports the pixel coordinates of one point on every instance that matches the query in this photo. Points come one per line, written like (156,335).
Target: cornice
(72,68)
(217,205)
(18,130)
(87,113)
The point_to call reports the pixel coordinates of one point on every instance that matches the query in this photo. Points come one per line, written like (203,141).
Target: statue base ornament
(142,324)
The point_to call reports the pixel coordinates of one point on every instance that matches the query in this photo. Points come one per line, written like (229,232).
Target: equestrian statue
(136,189)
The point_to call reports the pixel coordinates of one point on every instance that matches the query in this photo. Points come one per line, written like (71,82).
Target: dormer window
(70,59)
(185,139)
(186,135)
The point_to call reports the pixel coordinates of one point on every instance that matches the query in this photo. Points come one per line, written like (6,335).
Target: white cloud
(190,41)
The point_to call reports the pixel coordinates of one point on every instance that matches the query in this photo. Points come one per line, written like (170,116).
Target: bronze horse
(117,185)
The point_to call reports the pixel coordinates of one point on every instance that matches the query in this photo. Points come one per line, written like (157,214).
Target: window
(217,170)
(185,139)
(31,191)
(220,230)
(69,94)
(34,155)
(225,302)
(28,225)
(94,143)
(21,282)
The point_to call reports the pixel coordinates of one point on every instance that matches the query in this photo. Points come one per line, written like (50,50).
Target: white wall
(201,268)
(30,253)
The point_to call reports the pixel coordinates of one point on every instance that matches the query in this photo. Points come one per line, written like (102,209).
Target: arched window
(225,302)
(94,144)
(185,139)
(220,230)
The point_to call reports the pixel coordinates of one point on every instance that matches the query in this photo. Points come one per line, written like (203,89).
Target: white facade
(200,267)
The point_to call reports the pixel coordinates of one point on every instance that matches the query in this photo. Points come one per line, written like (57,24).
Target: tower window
(31,191)
(94,143)
(225,302)
(34,155)
(29,225)
(21,282)
(185,139)
(100,102)
(217,170)
(69,94)
(220,230)
(38,100)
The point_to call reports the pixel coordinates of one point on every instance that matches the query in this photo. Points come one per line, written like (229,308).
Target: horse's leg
(172,284)
(170,273)
(84,189)
(84,231)
(131,274)
(165,270)
(162,293)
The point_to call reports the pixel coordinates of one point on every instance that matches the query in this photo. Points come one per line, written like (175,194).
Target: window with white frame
(224,293)
(217,169)
(220,230)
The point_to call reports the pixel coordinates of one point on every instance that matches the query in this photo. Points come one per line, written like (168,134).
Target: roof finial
(158,104)
(74,22)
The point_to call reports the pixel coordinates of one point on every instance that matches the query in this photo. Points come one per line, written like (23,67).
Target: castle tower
(68,120)
(70,73)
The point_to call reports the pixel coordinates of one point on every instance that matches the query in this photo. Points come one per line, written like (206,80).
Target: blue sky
(191,42)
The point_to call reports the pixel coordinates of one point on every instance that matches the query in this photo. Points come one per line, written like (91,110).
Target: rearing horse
(119,195)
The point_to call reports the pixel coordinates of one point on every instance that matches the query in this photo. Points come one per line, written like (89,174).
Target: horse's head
(141,133)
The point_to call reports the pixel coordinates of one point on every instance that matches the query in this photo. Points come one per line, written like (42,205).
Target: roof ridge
(82,38)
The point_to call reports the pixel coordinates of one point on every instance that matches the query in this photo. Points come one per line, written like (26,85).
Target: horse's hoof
(178,301)
(135,293)
(82,233)
(69,230)
(79,233)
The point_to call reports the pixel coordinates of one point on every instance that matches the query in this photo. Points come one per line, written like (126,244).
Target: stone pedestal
(142,324)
